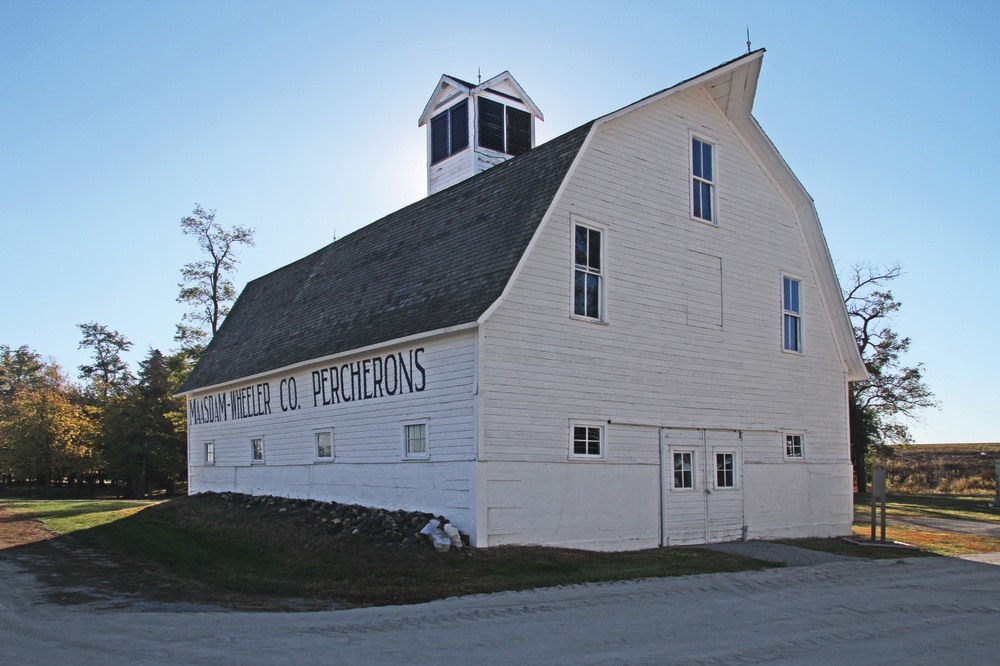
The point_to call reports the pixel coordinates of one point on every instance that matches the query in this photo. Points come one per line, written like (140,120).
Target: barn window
(324,445)
(702,180)
(794,447)
(588,441)
(450,131)
(683,462)
(209,453)
(504,128)
(725,470)
(588,274)
(415,440)
(257,450)
(791,307)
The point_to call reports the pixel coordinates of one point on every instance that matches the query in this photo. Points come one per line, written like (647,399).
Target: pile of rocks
(397,529)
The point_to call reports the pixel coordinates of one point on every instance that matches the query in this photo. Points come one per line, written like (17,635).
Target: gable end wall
(664,357)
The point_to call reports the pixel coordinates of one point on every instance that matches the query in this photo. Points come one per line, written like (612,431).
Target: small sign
(878,484)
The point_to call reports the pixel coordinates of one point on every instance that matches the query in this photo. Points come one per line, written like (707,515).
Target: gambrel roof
(444,262)
(436,264)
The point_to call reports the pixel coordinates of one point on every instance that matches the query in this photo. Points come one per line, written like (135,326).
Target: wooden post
(878,493)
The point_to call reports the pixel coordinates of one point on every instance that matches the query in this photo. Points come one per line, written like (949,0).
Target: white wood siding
(651,363)
(369,466)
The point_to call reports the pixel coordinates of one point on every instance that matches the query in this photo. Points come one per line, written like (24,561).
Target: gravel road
(918,611)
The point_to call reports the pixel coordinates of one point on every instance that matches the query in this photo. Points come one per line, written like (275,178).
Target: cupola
(471,127)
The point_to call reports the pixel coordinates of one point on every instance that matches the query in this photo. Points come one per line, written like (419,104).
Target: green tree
(206,285)
(143,437)
(880,406)
(19,368)
(45,433)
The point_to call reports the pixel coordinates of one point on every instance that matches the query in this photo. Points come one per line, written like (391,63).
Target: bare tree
(206,285)
(109,375)
(881,405)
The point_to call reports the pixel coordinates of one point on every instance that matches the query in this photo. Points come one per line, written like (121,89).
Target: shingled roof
(438,263)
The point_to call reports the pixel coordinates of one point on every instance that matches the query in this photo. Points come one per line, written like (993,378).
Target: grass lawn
(201,549)
(67,516)
(931,541)
(928,505)
(197,548)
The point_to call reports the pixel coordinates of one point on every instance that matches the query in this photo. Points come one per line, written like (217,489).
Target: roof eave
(750,61)
(432,103)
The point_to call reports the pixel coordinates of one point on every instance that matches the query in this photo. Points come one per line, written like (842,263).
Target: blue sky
(299,119)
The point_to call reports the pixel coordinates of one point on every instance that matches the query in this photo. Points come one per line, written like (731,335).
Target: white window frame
(715,471)
(416,455)
(316,435)
(793,314)
(602,442)
(601,273)
(254,460)
(693,470)
(712,184)
(209,452)
(789,452)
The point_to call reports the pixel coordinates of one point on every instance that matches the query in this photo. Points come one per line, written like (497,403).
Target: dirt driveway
(926,610)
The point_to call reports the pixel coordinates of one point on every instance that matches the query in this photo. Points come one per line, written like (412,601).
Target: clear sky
(300,119)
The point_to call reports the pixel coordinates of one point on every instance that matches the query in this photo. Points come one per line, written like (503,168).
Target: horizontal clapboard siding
(648,363)
(369,464)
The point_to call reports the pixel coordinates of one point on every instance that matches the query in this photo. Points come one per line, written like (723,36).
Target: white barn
(629,336)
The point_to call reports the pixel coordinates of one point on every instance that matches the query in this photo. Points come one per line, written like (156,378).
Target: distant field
(944,468)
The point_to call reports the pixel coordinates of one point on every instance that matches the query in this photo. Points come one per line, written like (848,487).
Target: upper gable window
(504,128)
(791,307)
(588,274)
(703,180)
(450,131)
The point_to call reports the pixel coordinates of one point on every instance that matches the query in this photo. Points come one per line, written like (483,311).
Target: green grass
(202,549)
(67,516)
(842,547)
(199,548)
(962,507)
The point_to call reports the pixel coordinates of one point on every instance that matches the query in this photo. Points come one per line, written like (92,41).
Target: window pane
(580,294)
(696,157)
(324,445)
(594,250)
(682,471)
(697,199)
(791,298)
(724,473)
(792,342)
(581,246)
(416,438)
(593,296)
(706,202)
(706,161)
(594,437)
(586,440)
